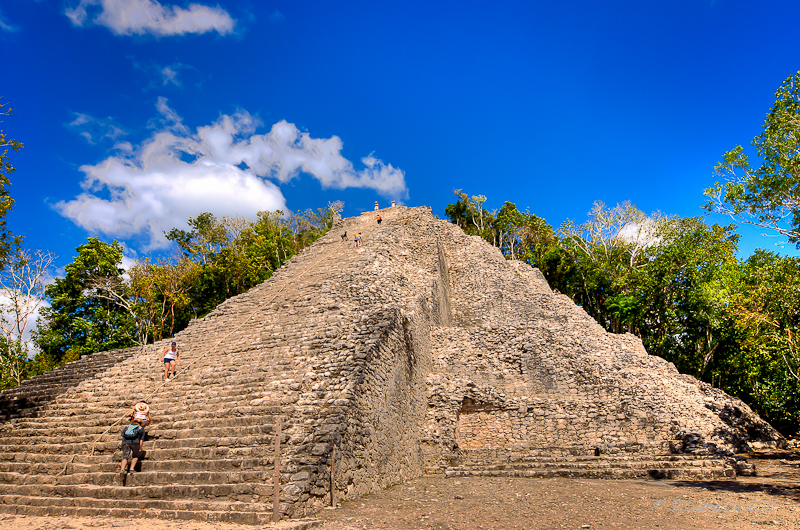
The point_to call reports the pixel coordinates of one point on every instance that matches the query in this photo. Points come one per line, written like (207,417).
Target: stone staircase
(542,464)
(35,393)
(209,452)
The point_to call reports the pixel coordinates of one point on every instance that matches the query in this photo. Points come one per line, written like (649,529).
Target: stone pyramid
(422,351)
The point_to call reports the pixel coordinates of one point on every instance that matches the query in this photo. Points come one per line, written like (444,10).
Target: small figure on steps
(357,239)
(141,412)
(379,220)
(168,357)
(344,237)
(131,444)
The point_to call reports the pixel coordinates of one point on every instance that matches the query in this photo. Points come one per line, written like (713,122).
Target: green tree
(162,292)
(6,168)
(236,254)
(78,322)
(605,250)
(542,248)
(669,301)
(537,238)
(469,214)
(22,282)
(761,299)
(767,196)
(208,235)
(508,224)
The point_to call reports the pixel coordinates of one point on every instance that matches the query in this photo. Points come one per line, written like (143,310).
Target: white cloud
(95,129)
(32,306)
(170,76)
(126,263)
(6,25)
(277,17)
(124,146)
(129,257)
(160,75)
(643,234)
(178,173)
(169,118)
(138,17)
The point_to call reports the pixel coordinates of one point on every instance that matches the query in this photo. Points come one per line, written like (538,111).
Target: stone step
(143,505)
(250,357)
(112,446)
(42,386)
(177,388)
(152,455)
(638,464)
(251,518)
(490,457)
(163,434)
(170,429)
(107,418)
(188,419)
(137,382)
(148,464)
(609,473)
(90,502)
(60,425)
(151,478)
(234,491)
(143,478)
(209,404)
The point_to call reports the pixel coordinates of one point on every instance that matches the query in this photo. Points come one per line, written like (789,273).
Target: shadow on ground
(778,473)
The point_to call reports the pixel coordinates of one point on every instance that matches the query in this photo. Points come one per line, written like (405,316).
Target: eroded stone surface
(422,350)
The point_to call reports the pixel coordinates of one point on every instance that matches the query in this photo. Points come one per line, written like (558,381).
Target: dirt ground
(771,499)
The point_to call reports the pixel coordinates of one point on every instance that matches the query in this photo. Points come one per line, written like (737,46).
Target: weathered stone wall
(381,440)
(525,368)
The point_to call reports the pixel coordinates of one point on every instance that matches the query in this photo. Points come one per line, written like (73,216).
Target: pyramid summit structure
(421,351)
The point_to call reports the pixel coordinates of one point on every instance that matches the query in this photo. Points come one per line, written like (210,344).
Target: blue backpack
(131,432)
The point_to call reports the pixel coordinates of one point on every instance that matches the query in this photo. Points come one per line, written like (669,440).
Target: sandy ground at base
(769,500)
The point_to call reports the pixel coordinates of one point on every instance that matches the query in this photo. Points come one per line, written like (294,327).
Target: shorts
(130,450)
(167,361)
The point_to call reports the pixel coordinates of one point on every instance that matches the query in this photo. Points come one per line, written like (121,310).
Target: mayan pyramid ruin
(422,351)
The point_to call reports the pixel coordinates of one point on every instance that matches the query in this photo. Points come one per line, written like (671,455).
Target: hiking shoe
(122,474)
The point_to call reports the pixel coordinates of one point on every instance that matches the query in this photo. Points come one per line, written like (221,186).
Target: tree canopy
(6,168)
(766,195)
(78,322)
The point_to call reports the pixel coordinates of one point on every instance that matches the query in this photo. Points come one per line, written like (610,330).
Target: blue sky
(136,114)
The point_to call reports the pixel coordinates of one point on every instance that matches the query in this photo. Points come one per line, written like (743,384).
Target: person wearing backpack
(131,444)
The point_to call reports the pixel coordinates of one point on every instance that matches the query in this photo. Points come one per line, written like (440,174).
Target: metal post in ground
(333,478)
(276,499)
